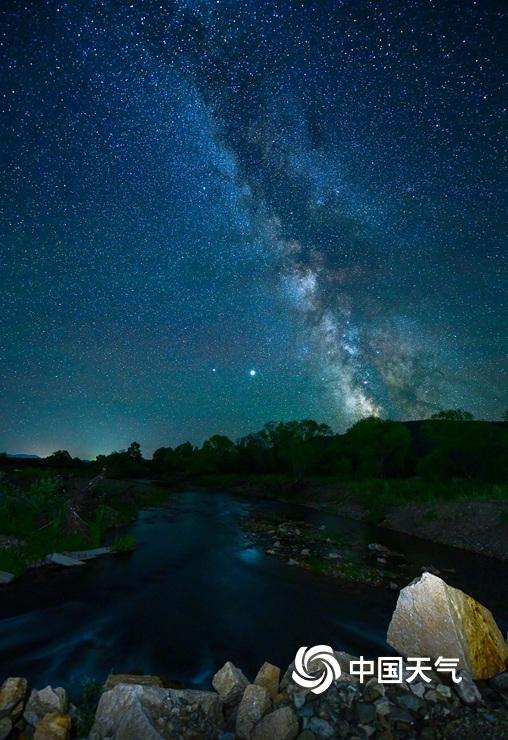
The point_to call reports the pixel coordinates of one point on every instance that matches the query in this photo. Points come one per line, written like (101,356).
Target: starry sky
(219,212)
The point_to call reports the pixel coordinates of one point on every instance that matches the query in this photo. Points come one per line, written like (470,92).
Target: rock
(373,689)
(333,556)
(432,619)
(430,569)
(135,712)
(8,541)
(5,727)
(321,728)
(411,702)
(418,688)
(58,558)
(254,705)
(467,690)
(444,691)
(53,726)
(89,554)
(269,677)
(43,702)
(305,552)
(229,683)
(292,561)
(500,682)
(6,577)
(365,713)
(282,724)
(382,706)
(115,678)
(393,586)
(12,697)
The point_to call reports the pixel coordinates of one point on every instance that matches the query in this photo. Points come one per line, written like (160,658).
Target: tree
(453,415)
(217,454)
(134,452)
(379,448)
(60,458)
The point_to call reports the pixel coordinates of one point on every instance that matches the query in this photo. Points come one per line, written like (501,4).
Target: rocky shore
(271,707)
(479,526)
(323,694)
(303,545)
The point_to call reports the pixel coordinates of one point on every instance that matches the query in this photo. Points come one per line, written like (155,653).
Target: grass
(503,517)
(346,570)
(36,516)
(124,543)
(87,706)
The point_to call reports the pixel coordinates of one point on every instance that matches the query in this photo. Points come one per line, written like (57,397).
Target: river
(196,593)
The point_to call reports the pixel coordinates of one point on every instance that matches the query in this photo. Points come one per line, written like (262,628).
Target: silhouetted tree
(134,451)
(453,415)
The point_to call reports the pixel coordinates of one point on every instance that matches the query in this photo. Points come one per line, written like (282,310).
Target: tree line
(448,445)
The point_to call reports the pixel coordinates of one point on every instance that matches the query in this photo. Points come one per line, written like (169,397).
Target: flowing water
(196,592)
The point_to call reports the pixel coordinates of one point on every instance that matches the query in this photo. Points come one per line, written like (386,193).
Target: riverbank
(466,515)
(55,516)
(270,706)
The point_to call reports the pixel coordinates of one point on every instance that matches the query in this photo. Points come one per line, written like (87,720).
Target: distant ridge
(22,456)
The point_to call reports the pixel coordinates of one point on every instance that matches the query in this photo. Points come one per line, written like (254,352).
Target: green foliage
(461,449)
(87,707)
(124,543)
(127,463)
(503,517)
(98,526)
(379,448)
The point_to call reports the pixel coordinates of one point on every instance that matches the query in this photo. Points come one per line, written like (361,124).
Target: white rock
(6,577)
(432,619)
(44,701)
(279,725)
(135,712)
(89,554)
(229,683)
(253,707)
(467,690)
(58,558)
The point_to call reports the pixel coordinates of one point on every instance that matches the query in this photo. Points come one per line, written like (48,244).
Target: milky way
(197,189)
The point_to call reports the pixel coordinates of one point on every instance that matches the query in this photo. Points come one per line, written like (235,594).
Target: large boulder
(12,697)
(115,678)
(269,677)
(432,619)
(132,712)
(279,725)
(53,726)
(43,702)
(253,707)
(229,683)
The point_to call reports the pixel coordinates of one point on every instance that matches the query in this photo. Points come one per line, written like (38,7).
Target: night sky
(219,212)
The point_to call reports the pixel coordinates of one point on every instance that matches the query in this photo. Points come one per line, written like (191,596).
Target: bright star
(252,373)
